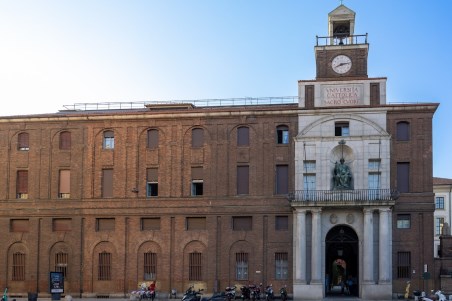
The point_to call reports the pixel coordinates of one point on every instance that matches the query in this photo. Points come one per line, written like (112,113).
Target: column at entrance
(385,239)
(300,247)
(316,264)
(368,254)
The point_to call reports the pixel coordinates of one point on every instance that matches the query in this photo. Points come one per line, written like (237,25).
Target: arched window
(197,137)
(282,134)
(153,139)
(403,131)
(243,136)
(23,142)
(109,140)
(65,140)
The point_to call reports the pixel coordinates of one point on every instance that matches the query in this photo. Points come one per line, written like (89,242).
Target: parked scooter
(283,293)
(269,293)
(192,295)
(230,292)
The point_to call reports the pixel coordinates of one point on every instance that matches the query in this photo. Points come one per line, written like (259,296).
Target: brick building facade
(230,194)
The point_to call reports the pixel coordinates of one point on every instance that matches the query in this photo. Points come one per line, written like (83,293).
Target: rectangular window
(403,264)
(403,221)
(18,267)
(104,271)
(22,184)
(61,224)
(107,183)
(19,225)
(243,182)
(281,266)
(309,96)
(309,165)
(439,223)
(105,224)
(341,129)
(373,180)
(196,223)
(403,176)
(439,202)
(195,266)
(282,223)
(197,184)
(150,266)
(61,263)
(152,179)
(282,179)
(65,184)
(374,164)
(374,94)
(241,266)
(242,223)
(150,223)
(309,186)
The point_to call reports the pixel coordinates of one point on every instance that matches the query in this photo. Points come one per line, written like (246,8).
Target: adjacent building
(334,183)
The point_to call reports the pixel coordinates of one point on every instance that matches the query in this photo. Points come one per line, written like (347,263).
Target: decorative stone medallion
(350,218)
(333,218)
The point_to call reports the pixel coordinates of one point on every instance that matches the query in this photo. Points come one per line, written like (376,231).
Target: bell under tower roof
(341,22)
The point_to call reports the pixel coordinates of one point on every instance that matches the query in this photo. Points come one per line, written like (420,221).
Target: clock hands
(341,64)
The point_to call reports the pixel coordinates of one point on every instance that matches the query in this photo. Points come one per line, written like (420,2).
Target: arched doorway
(341,266)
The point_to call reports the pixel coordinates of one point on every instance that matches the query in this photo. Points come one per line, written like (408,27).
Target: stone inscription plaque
(342,95)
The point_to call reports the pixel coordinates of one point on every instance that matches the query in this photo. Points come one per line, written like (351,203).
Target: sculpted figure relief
(342,175)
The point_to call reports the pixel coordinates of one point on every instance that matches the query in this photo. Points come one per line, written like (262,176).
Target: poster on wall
(56,282)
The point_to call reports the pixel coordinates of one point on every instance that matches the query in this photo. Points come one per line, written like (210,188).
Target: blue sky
(60,52)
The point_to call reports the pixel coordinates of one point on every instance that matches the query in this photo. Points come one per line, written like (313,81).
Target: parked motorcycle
(269,293)
(192,295)
(245,293)
(230,292)
(283,293)
(438,296)
(255,292)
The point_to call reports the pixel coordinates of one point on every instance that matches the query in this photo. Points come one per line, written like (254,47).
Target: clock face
(341,64)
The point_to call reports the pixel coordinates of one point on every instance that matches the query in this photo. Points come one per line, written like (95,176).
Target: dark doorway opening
(342,258)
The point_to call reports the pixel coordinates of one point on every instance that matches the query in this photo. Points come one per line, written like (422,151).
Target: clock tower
(341,54)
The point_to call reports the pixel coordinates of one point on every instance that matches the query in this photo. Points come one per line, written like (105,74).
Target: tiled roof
(442,181)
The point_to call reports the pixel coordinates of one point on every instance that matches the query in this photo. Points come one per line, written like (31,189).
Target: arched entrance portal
(342,258)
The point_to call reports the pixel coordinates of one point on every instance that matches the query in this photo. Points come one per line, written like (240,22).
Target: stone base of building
(372,291)
(312,291)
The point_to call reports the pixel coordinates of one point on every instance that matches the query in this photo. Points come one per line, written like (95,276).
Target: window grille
(61,263)
(195,266)
(281,266)
(403,264)
(18,271)
(104,272)
(439,202)
(150,266)
(241,266)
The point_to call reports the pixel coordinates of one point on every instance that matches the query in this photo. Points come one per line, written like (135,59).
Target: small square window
(341,129)
(403,221)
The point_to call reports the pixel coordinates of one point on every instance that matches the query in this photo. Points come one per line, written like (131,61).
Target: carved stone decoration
(333,218)
(350,218)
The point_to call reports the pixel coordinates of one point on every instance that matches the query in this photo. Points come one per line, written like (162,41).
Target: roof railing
(339,40)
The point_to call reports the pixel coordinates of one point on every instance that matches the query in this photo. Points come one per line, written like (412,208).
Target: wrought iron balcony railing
(342,40)
(332,196)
